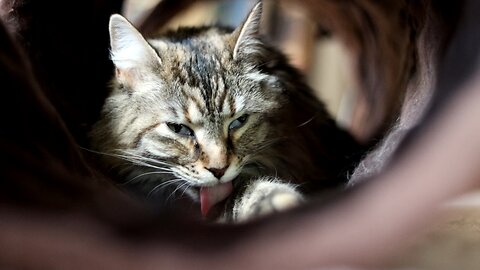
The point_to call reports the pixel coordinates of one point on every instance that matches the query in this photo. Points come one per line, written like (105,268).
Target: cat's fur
(202,106)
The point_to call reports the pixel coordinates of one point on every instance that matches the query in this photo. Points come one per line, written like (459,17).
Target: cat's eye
(180,129)
(239,122)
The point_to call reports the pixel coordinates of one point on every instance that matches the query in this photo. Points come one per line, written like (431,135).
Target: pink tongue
(209,196)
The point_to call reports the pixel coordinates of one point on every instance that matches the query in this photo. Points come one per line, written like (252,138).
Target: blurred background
(322,58)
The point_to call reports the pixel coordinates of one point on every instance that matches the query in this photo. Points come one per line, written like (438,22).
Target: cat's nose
(218,173)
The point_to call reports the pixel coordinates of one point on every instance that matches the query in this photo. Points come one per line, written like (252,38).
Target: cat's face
(197,105)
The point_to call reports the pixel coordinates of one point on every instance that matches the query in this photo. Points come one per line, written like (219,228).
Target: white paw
(282,201)
(263,197)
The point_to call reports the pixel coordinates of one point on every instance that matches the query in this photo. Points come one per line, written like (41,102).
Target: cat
(218,116)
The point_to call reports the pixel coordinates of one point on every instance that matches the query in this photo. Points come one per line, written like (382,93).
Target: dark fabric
(459,59)
(38,151)
(42,166)
(67,43)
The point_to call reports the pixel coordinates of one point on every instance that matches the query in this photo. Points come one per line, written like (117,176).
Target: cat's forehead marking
(199,68)
(239,104)
(193,112)
(226,108)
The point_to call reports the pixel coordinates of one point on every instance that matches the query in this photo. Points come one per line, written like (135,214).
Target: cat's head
(198,100)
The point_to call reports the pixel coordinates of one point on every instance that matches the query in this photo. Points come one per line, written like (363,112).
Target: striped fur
(245,113)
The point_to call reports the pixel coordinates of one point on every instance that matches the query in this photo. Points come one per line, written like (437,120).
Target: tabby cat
(217,116)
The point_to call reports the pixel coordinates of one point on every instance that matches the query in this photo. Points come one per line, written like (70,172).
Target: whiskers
(145,175)
(135,158)
(153,174)
(308,121)
(176,181)
(142,160)
(184,187)
(154,168)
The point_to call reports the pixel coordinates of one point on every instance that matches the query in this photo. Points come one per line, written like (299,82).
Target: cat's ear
(246,37)
(129,49)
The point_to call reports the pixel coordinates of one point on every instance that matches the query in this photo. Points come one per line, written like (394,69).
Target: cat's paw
(265,196)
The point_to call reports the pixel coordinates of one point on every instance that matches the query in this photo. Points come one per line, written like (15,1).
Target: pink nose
(218,173)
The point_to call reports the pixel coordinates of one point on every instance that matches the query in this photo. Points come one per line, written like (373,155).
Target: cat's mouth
(212,195)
